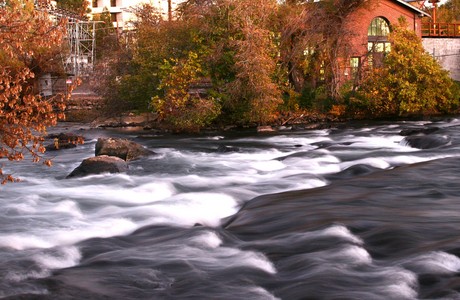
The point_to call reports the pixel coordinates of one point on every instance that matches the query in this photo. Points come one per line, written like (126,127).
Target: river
(348,212)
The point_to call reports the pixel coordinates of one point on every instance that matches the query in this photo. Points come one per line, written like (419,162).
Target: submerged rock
(127,120)
(353,172)
(426,141)
(64,141)
(122,148)
(418,131)
(227,149)
(265,129)
(98,165)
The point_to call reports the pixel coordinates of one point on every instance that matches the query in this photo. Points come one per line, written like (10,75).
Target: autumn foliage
(262,60)
(29,46)
(410,82)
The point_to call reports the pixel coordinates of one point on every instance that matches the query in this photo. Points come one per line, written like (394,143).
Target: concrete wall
(447,52)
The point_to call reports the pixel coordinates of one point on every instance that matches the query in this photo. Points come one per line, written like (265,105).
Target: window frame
(377,41)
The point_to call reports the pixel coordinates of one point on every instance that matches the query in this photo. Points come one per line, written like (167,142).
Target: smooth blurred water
(350,212)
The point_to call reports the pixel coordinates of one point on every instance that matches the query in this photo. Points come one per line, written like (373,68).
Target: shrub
(178,108)
(410,82)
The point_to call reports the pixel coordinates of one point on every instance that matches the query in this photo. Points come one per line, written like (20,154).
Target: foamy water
(50,221)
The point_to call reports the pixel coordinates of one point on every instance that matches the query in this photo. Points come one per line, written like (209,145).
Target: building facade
(368,29)
(120,9)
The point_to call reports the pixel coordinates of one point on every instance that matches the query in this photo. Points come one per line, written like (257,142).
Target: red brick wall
(355,41)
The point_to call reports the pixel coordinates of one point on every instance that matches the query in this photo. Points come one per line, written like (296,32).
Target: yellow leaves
(179,107)
(406,82)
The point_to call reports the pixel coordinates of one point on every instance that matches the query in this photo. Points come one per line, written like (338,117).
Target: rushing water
(340,213)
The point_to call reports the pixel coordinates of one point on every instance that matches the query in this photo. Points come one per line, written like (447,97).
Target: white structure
(119,9)
(81,40)
(45,85)
(447,52)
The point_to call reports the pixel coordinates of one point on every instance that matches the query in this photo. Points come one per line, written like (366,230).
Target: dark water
(354,212)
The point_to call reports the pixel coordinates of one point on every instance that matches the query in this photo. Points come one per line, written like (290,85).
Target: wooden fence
(448,30)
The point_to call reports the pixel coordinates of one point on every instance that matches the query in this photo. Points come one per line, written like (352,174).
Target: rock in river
(426,141)
(64,141)
(98,165)
(122,148)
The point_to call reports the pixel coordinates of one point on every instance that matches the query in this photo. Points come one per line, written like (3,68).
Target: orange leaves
(255,63)
(41,149)
(16,156)
(28,43)
(8,178)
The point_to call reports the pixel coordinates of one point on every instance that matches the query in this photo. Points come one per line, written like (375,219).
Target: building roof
(405,3)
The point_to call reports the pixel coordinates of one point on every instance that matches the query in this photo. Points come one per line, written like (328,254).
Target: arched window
(379,28)
(377,43)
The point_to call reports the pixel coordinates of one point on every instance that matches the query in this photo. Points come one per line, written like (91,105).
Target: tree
(178,107)
(27,49)
(256,53)
(449,12)
(80,7)
(106,35)
(123,77)
(132,82)
(410,81)
(255,59)
(241,57)
(313,41)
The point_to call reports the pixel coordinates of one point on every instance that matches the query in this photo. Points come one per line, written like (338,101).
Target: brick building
(368,29)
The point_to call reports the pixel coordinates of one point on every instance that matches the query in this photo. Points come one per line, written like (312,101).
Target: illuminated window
(355,65)
(379,27)
(377,44)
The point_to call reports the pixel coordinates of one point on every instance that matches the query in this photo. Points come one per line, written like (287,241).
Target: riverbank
(290,122)
(88,108)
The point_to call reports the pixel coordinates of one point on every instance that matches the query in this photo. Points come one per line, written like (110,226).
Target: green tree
(181,109)
(410,81)
(127,76)
(80,7)
(106,35)
(241,55)
(155,45)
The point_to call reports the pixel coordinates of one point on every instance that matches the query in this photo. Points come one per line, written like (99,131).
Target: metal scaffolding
(81,40)
(82,43)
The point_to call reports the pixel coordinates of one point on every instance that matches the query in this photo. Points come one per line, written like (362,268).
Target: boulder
(127,120)
(64,141)
(426,141)
(98,165)
(265,129)
(122,148)
(227,149)
(418,131)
